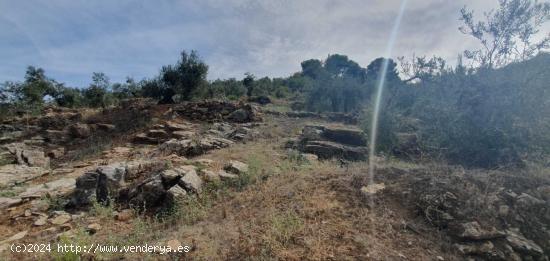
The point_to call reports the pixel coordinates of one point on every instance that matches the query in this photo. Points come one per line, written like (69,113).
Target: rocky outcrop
(407,146)
(107,182)
(80,131)
(331,142)
(503,221)
(29,156)
(188,147)
(216,110)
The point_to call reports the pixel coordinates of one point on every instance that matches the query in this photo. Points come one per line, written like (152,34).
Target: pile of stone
(331,142)
(346,118)
(193,147)
(507,220)
(164,132)
(146,185)
(216,110)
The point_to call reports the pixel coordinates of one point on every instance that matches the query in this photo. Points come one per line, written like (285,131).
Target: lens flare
(379,90)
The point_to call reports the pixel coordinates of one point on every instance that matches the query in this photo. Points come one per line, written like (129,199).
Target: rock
(205,162)
(176,193)
(40,221)
(175,146)
(526,201)
(327,149)
(523,245)
(173,126)
(149,194)
(55,136)
(227,176)
(372,189)
(240,115)
(353,137)
(40,205)
(56,153)
(142,138)
(109,181)
(124,215)
(174,244)
(210,176)
(310,157)
(9,202)
(160,134)
(106,127)
(93,228)
(52,188)
(15,237)
(236,167)
(170,177)
(136,168)
(12,174)
(80,130)
(190,181)
(86,187)
(482,249)
(60,219)
(473,231)
(183,134)
(29,156)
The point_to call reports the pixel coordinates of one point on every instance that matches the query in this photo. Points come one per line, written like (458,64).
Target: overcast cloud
(71,39)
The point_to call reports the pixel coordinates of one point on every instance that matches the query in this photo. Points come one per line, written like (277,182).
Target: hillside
(219,177)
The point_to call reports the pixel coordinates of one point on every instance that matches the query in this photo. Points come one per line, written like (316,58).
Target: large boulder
(30,156)
(331,142)
(347,136)
(80,130)
(327,149)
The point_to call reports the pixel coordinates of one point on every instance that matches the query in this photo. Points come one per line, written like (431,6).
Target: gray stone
(523,245)
(227,176)
(473,231)
(9,202)
(80,130)
(53,188)
(12,173)
(170,177)
(177,193)
(191,181)
(236,167)
(526,201)
(240,115)
(60,219)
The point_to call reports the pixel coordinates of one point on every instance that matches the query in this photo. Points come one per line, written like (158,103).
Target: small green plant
(284,227)
(103,211)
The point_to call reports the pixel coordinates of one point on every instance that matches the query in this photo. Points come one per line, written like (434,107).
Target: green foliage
(340,85)
(97,94)
(183,78)
(69,97)
(508,34)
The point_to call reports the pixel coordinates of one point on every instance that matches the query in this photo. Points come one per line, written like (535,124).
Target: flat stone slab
(13,173)
(53,188)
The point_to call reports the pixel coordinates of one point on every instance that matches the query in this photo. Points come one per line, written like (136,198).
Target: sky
(70,39)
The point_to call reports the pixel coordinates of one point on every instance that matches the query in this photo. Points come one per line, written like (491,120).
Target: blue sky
(72,39)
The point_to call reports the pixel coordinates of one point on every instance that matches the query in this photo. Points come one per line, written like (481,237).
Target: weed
(283,228)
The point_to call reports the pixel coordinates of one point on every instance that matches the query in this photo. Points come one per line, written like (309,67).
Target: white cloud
(72,39)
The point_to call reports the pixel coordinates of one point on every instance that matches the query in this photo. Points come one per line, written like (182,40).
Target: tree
(248,83)
(96,93)
(183,78)
(312,68)
(36,86)
(68,97)
(507,34)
